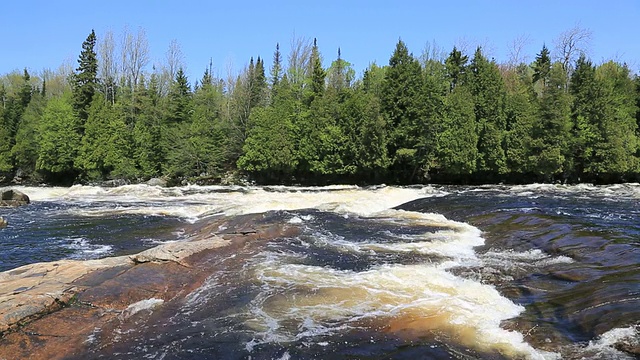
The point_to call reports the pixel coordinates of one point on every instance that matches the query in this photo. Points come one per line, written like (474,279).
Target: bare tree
(299,60)
(433,51)
(108,70)
(516,50)
(135,56)
(175,58)
(570,45)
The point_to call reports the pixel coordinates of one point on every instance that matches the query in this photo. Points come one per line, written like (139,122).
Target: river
(437,272)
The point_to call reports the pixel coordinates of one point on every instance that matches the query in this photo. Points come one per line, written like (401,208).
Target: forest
(447,117)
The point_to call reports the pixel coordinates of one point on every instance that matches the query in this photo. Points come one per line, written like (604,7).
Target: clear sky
(44,34)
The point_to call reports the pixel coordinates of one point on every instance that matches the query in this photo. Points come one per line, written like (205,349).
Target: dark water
(53,230)
(508,272)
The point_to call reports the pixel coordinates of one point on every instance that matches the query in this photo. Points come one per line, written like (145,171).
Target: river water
(435,272)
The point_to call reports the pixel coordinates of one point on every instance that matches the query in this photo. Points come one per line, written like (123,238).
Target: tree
(614,157)
(59,141)
(85,80)
(340,75)
(105,149)
(135,56)
(276,68)
(25,150)
(570,45)
(179,99)
(551,153)
(455,66)
(457,150)
(108,67)
(489,94)
(403,107)
(317,74)
(542,66)
(269,153)
(150,150)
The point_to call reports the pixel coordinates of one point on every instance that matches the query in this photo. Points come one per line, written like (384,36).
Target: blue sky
(44,34)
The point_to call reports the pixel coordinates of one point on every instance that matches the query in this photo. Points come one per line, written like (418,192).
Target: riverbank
(77,309)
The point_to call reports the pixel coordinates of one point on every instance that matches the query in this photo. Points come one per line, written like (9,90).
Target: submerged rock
(3,223)
(13,198)
(157,182)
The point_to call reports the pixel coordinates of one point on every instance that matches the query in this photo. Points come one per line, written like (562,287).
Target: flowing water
(518,272)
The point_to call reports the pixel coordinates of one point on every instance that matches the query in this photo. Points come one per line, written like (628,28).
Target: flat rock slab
(74,309)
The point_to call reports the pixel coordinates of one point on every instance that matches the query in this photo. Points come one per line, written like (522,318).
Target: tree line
(457,118)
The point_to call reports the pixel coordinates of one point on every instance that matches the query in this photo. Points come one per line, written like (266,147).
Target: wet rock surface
(78,309)
(13,198)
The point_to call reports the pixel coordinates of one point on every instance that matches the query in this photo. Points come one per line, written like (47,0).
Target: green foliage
(59,140)
(551,153)
(106,148)
(489,92)
(25,150)
(457,150)
(456,66)
(403,107)
(85,81)
(542,66)
(269,153)
(447,120)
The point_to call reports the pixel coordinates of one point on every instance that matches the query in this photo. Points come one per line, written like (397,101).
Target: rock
(13,198)
(115,183)
(3,223)
(629,347)
(157,182)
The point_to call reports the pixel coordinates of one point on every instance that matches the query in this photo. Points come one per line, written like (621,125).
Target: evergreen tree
(105,151)
(551,153)
(489,94)
(269,153)
(521,112)
(340,74)
(455,66)
(317,74)
(403,108)
(148,131)
(457,141)
(25,150)
(614,156)
(85,81)
(276,68)
(59,141)
(542,67)
(179,99)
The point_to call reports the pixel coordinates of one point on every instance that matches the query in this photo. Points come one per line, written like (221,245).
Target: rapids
(517,272)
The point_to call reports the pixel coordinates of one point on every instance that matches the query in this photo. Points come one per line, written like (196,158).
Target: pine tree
(85,81)
(276,68)
(317,74)
(455,66)
(403,107)
(551,152)
(457,150)
(179,99)
(489,95)
(542,67)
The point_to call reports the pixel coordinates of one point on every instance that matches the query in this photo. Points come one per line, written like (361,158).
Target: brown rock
(13,198)
(3,223)
(79,309)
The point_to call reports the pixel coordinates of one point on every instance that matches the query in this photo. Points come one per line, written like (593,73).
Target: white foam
(84,249)
(419,298)
(147,304)
(604,346)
